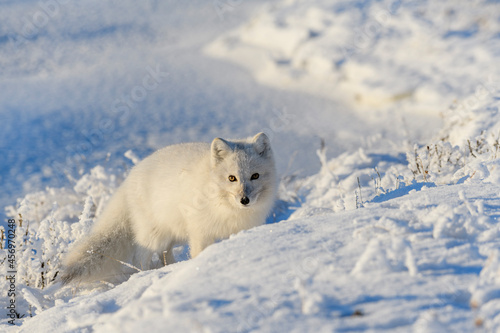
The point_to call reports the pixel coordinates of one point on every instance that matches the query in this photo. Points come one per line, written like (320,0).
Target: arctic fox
(192,192)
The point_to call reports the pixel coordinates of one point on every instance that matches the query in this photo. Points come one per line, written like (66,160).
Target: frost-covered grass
(47,222)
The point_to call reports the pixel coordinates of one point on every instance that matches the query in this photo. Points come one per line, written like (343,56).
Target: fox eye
(232,178)
(255,176)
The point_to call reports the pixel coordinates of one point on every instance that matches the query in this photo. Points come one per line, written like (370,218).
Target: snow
(385,261)
(384,119)
(340,49)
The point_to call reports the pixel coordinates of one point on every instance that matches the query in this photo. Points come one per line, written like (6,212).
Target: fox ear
(220,148)
(261,144)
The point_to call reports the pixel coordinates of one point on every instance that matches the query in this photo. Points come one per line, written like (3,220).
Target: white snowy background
(384,118)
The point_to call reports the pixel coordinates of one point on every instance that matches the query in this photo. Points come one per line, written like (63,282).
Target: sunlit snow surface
(384,119)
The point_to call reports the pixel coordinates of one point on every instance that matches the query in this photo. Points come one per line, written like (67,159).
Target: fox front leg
(198,244)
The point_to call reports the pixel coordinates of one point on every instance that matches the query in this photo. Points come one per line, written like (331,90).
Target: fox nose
(245,201)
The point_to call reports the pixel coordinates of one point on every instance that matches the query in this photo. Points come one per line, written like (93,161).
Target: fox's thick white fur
(181,193)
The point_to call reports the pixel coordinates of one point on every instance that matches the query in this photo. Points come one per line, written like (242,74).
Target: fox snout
(245,194)
(245,200)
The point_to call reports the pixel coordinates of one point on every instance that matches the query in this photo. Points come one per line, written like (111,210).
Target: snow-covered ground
(384,116)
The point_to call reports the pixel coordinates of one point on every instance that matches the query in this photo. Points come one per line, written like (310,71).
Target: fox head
(244,170)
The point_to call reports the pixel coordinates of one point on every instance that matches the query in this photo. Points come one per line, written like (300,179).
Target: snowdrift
(392,236)
(411,261)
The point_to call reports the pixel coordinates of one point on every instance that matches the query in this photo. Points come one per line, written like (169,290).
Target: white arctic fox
(191,192)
